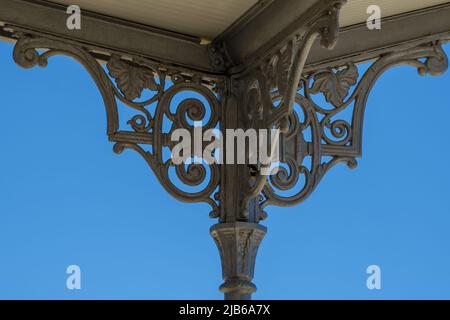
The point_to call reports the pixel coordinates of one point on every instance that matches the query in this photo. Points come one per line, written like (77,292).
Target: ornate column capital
(238,244)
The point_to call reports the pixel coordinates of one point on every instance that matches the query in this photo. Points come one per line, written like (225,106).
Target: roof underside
(209,18)
(169,31)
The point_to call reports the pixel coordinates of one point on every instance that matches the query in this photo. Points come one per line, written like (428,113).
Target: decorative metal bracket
(331,138)
(271,92)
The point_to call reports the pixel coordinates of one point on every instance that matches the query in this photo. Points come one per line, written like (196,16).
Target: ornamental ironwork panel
(319,113)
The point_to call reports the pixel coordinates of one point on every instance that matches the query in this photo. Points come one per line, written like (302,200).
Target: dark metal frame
(246,83)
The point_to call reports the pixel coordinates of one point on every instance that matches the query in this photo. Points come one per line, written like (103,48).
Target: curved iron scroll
(126,81)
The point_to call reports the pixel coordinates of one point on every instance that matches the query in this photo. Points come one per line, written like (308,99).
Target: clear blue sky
(66,198)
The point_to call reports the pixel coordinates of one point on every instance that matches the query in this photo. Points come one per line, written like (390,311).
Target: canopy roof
(178,31)
(209,18)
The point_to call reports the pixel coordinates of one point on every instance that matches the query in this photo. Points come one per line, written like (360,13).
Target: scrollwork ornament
(342,91)
(132,77)
(332,139)
(187,111)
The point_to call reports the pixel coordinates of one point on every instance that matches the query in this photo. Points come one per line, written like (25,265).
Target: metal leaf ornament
(335,86)
(131,80)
